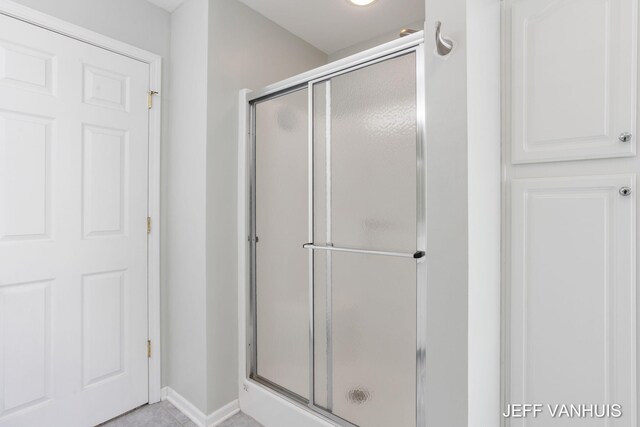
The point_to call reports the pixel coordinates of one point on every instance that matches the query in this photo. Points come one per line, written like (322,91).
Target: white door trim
(31,16)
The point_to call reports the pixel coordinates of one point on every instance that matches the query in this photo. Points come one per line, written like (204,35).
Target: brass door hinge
(149,349)
(150,98)
(148,225)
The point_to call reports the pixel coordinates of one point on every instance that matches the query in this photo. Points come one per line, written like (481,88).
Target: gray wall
(139,23)
(376,41)
(246,50)
(184,224)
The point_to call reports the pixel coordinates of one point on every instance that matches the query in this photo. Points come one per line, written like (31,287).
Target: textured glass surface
(321,330)
(371,135)
(372,379)
(282,283)
(365,135)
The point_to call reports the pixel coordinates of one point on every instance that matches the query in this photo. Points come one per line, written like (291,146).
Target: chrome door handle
(415,255)
(444,45)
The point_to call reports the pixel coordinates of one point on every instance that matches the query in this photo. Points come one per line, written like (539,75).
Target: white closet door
(73,241)
(573,79)
(573,296)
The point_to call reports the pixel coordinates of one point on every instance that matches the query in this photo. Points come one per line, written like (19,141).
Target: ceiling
(169,5)
(331,25)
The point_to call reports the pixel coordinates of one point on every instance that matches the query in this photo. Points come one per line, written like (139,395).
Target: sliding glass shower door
(281,222)
(364,179)
(338,244)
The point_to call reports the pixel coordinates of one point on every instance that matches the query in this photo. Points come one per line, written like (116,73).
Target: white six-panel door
(73,239)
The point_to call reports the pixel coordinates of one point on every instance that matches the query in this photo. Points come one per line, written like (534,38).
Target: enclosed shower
(336,238)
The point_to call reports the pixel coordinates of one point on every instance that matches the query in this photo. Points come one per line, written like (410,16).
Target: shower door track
(406,45)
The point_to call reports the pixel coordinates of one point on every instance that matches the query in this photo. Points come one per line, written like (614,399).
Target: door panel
(365,136)
(27,68)
(371,344)
(73,239)
(365,198)
(573,79)
(282,282)
(573,307)
(26,376)
(104,184)
(103,326)
(26,212)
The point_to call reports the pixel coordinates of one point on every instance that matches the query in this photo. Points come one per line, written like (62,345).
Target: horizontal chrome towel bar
(415,255)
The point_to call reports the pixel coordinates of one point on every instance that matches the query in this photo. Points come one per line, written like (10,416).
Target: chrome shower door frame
(408,45)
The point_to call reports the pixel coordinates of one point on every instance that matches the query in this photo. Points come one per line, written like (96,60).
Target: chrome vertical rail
(253,339)
(421,241)
(329,255)
(311,255)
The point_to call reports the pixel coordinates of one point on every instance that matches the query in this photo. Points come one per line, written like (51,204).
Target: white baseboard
(184,406)
(197,416)
(224,413)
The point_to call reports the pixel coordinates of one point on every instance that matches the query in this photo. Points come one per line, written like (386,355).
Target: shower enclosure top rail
(350,62)
(415,255)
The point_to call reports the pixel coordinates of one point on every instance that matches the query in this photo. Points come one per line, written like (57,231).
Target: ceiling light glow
(362,2)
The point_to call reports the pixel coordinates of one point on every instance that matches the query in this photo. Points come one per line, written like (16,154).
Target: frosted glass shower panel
(365,135)
(366,354)
(365,164)
(281,215)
